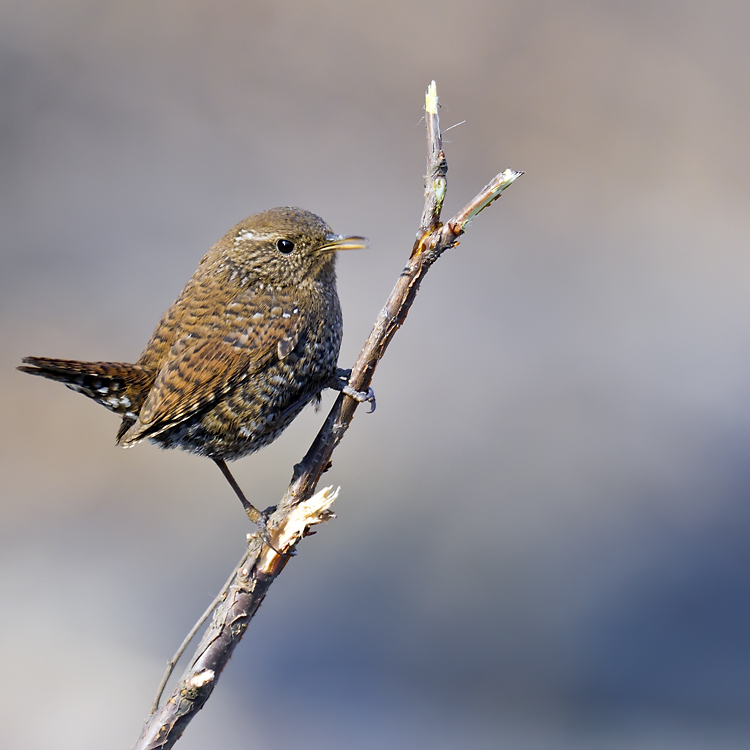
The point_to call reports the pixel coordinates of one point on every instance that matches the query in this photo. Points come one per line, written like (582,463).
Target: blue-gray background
(544,532)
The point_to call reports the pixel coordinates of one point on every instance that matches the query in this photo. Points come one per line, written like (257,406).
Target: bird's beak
(335,242)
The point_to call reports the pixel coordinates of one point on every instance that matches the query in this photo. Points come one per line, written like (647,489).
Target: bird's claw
(341,383)
(361,396)
(262,523)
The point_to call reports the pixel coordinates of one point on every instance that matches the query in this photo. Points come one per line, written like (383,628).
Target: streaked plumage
(251,340)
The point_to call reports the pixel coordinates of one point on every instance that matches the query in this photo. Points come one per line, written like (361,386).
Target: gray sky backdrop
(543,538)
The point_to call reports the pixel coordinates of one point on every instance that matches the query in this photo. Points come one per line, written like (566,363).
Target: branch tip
(492,191)
(431,99)
(510,175)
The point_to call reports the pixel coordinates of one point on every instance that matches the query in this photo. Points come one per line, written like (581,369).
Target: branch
(435,183)
(300,508)
(250,582)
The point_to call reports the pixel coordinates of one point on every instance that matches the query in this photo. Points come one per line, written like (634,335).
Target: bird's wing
(221,349)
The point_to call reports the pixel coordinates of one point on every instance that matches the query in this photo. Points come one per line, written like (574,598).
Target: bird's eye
(284,246)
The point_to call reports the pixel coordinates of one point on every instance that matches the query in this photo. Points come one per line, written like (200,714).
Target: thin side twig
(172,663)
(300,508)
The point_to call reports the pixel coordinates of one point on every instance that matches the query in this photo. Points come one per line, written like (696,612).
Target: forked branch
(301,508)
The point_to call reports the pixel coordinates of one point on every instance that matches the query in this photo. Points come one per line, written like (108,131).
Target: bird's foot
(260,519)
(340,382)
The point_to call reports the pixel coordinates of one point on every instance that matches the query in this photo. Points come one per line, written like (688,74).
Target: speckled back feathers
(253,337)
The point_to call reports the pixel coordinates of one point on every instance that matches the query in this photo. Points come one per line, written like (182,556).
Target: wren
(251,340)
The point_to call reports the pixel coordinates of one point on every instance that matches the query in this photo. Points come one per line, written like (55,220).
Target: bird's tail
(120,387)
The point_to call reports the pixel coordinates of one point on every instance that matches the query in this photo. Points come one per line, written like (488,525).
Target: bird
(252,339)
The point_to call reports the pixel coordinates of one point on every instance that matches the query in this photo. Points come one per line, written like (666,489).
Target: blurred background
(543,534)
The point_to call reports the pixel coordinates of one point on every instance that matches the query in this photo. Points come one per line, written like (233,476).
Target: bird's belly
(251,415)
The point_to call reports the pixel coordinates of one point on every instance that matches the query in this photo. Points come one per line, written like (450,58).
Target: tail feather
(120,387)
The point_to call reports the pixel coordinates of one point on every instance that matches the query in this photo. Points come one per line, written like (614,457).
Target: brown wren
(252,339)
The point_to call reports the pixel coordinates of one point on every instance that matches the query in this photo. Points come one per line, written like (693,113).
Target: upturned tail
(120,387)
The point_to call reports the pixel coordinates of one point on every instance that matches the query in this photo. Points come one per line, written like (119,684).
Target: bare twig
(454,126)
(300,509)
(435,184)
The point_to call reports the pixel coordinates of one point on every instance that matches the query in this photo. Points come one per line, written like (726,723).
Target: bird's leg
(252,512)
(256,516)
(340,382)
